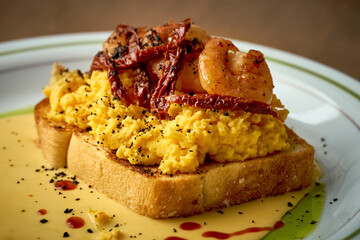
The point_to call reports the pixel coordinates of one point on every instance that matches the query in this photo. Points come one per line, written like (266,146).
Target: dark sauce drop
(174,238)
(42,212)
(220,235)
(75,222)
(65,185)
(279,224)
(216,235)
(189,226)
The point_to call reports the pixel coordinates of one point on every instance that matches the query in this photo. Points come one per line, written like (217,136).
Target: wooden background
(327,31)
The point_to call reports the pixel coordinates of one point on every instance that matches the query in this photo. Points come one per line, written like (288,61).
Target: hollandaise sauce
(40,202)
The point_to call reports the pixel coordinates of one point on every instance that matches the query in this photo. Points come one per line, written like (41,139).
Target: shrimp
(188,80)
(196,32)
(224,70)
(117,45)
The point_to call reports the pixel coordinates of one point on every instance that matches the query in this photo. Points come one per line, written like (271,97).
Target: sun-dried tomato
(157,94)
(217,102)
(166,84)
(102,61)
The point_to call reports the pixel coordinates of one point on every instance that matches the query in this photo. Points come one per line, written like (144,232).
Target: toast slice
(148,192)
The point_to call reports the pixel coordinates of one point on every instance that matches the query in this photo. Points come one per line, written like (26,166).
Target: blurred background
(327,31)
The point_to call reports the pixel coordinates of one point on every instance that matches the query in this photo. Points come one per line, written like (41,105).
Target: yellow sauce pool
(28,186)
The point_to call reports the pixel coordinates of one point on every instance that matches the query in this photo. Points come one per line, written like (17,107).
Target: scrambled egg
(114,234)
(98,218)
(180,143)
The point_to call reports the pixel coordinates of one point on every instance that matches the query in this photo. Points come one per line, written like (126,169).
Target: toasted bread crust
(54,137)
(147,192)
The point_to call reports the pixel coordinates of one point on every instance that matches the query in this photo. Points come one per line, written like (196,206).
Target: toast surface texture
(147,192)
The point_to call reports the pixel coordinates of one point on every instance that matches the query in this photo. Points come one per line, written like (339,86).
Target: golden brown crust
(155,197)
(144,190)
(54,137)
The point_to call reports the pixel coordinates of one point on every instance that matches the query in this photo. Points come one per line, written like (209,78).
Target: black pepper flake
(240,212)
(43,220)
(90,231)
(174,229)
(77,199)
(290,204)
(313,222)
(219,211)
(66,234)
(226,114)
(68,210)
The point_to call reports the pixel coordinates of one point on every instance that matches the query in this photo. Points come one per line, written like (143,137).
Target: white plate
(324,108)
